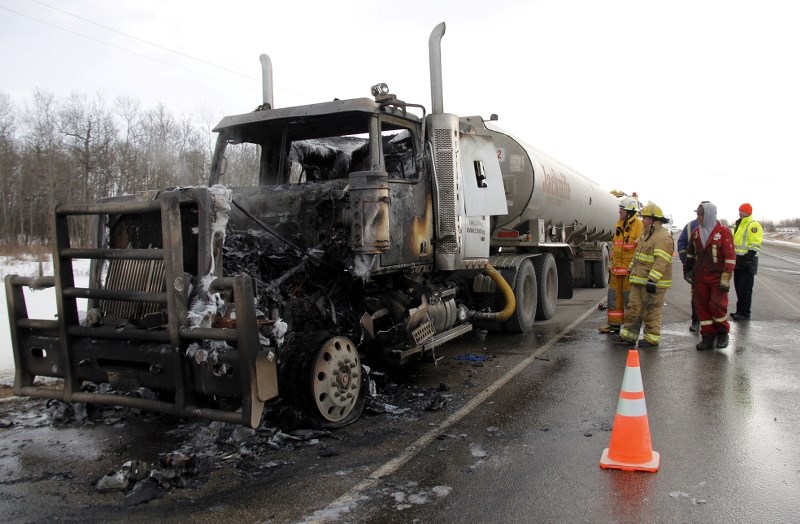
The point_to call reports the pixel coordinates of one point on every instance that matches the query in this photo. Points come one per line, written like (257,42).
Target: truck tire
(334,392)
(525,293)
(546,285)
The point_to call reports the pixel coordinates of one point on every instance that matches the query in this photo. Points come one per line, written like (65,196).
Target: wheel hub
(336,378)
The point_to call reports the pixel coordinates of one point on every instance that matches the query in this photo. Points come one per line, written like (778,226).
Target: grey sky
(681,101)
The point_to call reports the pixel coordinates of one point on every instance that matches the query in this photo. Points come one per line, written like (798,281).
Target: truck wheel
(600,270)
(525,293)
(337,384)
(547,286)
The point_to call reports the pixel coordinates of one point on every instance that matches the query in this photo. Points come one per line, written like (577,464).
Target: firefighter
(628,231)
(650,277)
(710,259)
(747,237)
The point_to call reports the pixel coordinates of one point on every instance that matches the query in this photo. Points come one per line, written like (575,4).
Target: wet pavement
(503,429)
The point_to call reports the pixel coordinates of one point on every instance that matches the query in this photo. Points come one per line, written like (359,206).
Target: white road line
(412,450)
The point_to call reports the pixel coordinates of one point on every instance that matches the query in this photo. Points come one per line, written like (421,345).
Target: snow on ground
(40,303)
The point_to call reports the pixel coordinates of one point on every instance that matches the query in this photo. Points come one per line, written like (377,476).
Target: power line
(146,41)
(119,47)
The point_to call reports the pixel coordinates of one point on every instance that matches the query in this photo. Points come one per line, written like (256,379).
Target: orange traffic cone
(630,448)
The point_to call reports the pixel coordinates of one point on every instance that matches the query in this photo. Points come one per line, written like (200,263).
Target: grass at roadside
(20,252)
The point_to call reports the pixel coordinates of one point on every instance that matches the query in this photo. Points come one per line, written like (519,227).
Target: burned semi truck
(328,235)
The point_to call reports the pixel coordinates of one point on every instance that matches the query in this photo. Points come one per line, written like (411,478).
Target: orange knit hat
(746,208)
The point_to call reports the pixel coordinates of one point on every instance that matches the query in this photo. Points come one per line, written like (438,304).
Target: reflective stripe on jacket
(653,258)
(717,256)
(747,236)
(625,237)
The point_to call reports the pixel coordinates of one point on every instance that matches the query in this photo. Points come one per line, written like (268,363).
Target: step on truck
(328,235)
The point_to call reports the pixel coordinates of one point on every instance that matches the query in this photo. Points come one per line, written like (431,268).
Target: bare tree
(9,168)
(44,166)
(90,134)
(129,156)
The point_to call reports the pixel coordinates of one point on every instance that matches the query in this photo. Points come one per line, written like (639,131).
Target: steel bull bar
(127,355)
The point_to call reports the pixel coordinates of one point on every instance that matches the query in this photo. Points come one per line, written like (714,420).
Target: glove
(650,286)
(688,275)
(725,282)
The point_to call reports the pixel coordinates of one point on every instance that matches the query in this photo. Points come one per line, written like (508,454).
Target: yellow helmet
(628,203)
(653,211)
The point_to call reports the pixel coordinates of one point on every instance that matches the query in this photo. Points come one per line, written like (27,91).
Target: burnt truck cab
(362,223)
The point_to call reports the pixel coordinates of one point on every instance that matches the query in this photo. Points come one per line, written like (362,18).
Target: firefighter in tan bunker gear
(628,231)
(651,275)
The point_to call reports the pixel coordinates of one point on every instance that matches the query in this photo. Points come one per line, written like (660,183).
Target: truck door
(483,190)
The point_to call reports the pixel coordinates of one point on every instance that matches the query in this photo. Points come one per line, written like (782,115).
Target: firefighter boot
(722,340)
(706,343)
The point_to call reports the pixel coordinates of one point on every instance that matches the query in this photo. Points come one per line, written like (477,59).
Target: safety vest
(747,236)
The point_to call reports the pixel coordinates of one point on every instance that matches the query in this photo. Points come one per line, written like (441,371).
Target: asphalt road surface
(502,429)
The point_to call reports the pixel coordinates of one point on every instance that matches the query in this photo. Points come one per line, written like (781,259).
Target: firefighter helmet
(628,203)
(653,211)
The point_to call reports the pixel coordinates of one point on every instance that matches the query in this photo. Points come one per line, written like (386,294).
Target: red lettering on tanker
(556,185)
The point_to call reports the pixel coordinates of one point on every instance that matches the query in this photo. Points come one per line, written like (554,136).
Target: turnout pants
(619,289)
(643,307)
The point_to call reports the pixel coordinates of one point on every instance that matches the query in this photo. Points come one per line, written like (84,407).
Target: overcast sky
(680,101)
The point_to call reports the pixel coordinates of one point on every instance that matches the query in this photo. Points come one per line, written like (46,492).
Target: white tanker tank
(551,208)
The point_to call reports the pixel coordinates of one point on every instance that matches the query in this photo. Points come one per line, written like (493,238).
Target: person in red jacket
(710,260)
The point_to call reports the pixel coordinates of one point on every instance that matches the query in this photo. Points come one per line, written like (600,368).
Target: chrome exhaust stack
(266,82)
(435,58)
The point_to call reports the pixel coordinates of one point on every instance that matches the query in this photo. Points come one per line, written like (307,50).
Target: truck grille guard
(127,355)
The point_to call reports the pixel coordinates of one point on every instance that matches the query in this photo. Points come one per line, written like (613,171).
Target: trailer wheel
(547,286)
(337,384)
(525,293)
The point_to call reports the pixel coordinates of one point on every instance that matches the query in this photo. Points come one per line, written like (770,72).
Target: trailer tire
(526,295)
(546,286)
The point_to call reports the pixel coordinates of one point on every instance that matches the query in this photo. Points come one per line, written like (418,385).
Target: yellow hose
(508,294)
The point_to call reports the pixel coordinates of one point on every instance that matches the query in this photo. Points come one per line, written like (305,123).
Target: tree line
(77,149)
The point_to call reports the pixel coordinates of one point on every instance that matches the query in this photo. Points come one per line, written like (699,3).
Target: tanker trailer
(554,212)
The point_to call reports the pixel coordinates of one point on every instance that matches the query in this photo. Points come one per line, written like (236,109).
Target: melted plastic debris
(278,331)
(131,471)
(143,491)
(437,402)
